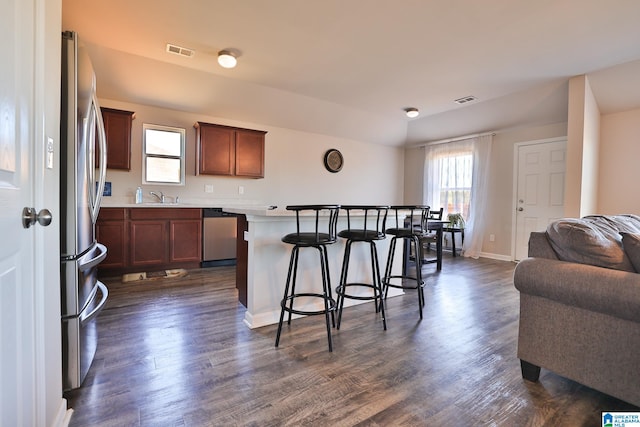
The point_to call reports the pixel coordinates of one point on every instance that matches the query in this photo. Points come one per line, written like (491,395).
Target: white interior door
(30,377)
(540,189)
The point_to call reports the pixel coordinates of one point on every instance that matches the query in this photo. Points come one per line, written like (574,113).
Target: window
(455,182)
(163,155)
(457,178)
(450,178)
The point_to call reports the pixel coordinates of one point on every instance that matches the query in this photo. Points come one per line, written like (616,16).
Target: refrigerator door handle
(102,140)
(89,124)
(84,318)
(90,263)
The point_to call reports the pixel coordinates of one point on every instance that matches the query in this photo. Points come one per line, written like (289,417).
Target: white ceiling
(349,67)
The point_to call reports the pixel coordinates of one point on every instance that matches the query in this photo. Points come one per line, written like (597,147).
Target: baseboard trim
(63,417)
(498,257)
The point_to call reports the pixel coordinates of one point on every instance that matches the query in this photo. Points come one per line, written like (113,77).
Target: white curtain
(447,167)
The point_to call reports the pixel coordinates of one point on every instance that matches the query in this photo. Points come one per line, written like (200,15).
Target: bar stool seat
(372,230)
(310,239)
(410,232)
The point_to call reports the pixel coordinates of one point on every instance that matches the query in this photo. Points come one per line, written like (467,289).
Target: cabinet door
(111,231)
(148,243)
(185,241)
(250,153)
(112,235)
(117,126)
(216,149)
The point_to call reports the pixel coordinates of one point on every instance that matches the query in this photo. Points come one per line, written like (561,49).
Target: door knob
(29,217)
(520,209)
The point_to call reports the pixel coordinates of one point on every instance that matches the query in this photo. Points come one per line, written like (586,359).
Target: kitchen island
(264,270)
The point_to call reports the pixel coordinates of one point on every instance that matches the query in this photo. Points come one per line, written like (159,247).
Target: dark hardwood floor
(176,353)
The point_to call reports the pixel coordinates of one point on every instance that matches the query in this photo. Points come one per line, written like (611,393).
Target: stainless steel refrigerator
(82,176)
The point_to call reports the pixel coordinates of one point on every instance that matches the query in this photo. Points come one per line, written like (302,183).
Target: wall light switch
(49,153)
(208,188)
(241,190)
(492,237)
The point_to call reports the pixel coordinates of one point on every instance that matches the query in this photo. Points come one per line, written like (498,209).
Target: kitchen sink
(160,204)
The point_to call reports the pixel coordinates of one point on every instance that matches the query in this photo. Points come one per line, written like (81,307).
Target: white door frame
(514,197)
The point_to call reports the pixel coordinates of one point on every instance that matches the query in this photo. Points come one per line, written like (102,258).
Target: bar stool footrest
(283,304)
(341,291)
(397,286)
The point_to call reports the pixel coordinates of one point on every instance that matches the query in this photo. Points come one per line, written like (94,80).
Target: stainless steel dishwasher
(218,237)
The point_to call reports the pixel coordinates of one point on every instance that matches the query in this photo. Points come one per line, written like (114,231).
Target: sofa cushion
(627,223)
(631,245)
(593,240)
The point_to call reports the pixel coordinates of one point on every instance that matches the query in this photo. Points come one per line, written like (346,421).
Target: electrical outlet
(492,237)
(208,188)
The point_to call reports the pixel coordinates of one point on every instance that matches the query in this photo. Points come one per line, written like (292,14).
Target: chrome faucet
(159,196)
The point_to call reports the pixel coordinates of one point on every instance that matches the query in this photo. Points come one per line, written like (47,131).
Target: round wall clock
(333,160)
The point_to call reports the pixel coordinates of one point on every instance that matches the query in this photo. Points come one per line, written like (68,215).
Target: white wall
(619,154)
(414,175)
(294,169)
(590,154)
(583,136)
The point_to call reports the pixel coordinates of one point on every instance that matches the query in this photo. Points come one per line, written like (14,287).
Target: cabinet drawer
(111,214)
(165,213)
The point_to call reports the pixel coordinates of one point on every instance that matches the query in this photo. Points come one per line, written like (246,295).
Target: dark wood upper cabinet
(231,151)
(216,149)
(250,153)
(117,126)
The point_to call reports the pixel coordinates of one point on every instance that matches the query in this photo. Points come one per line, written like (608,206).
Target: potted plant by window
(455,220)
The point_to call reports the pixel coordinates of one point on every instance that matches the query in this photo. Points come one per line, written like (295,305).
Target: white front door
(30,377)
(540,189)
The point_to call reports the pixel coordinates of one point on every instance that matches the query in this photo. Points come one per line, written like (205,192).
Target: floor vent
(182,51)
(465,99)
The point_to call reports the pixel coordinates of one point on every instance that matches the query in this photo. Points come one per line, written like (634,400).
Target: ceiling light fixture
(412,112)
(227,59)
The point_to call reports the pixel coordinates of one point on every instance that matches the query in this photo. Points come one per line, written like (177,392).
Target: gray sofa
(580,304)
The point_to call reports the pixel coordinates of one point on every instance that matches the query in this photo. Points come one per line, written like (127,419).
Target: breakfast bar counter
(263,265)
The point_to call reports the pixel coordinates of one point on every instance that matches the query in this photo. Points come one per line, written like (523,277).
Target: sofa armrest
(611,292)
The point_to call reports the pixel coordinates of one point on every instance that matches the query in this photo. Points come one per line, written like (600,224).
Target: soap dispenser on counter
(139,195)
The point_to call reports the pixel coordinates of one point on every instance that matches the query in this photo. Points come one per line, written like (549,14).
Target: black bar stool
(311,237)
(410,232)
(375,218)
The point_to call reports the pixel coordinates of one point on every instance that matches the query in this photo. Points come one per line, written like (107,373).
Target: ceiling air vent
(182,51)
(465,99)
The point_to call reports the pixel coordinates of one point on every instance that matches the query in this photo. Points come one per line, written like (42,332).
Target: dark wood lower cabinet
(146,239)
(111,231)
(148,243)
(181,244)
